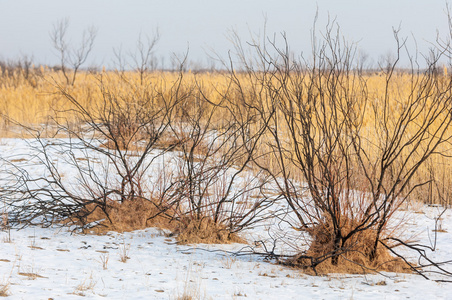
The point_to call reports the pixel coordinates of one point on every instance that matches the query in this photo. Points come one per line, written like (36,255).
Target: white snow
(45,263)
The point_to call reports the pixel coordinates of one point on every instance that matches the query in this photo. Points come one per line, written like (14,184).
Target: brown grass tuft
(354,256)
(31,275)
(185,297)
(194,231)
(85,286)
(127,216)
(4,290)
(135,215)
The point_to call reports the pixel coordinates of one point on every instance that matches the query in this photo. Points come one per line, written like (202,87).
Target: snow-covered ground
(53,263)
(50,263)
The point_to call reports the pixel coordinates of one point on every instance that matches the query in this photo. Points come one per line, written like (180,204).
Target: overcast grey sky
(203,25)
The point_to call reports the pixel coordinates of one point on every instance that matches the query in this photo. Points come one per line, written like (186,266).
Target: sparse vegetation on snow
(276,175)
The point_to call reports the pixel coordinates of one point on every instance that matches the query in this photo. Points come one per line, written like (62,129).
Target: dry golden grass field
(37,98)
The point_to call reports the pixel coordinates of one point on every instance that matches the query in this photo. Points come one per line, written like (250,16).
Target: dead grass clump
(140,214)
(85,286)
(353,257)
(185,297)
(4,290)
(31,275)
(205,230)
(126,216)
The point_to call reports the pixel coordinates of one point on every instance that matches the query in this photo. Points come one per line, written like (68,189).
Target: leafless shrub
(344,189)
(109,148)
(214,187)
(71,59)
(142,60)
